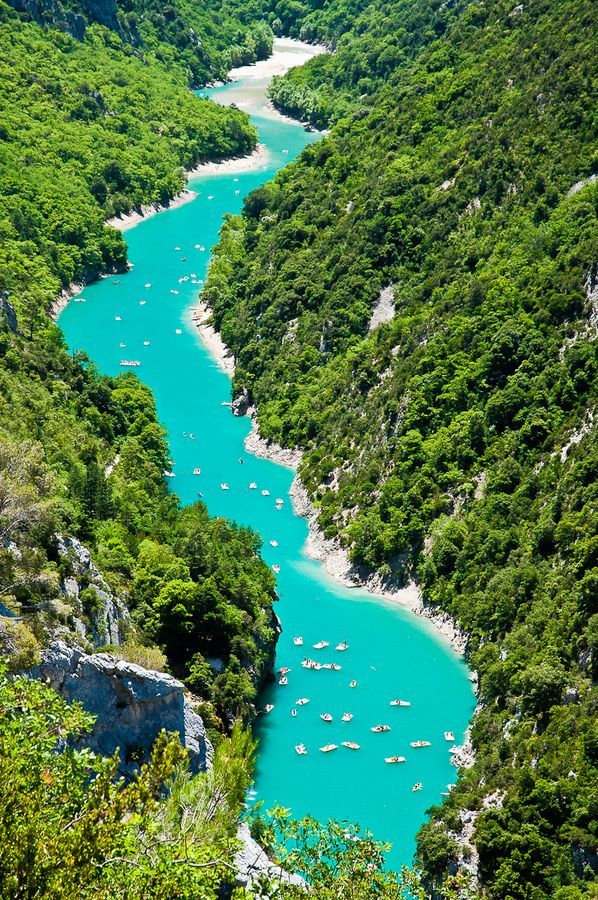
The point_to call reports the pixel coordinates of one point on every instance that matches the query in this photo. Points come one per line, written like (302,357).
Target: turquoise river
(392,653)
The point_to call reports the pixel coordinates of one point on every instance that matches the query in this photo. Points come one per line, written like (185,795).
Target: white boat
(274,543)
(417,786)
(192,436)
(400,703)
(326,717)
(130,362)
(142,303)
(284,670)
(178,331)
(311,664)
(301,749)
(210,196)
(146,343)
(328,747)
(177,248)
(377,729)
(122,345)
(224,485)
(148,285)
(279,501)
(449,736)
(117,319)
(284,680)
(265,493)
(293,712)
(252,486)
(416,744)
(169,474)
(394,759)
(351,745)
(321,644)
(276,569)
(197,471)
(352,684)
(342,646)
(346,717)
(335,667)
(298,641)
(268,707)
(301,701)
(172,291)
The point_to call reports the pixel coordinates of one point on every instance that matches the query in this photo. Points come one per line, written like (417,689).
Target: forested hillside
(90,129)
(455,442)
(204,40)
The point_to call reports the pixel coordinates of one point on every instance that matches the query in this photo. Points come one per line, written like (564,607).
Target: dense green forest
(88,131)
(203,40)
(83,455)
(455,442)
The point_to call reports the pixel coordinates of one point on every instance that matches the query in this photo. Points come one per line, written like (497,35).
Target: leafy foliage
(68,829)
(89,131)
(203,40)
(455,443)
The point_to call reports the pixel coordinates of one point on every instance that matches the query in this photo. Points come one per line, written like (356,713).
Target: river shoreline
(283,57)
(330,553)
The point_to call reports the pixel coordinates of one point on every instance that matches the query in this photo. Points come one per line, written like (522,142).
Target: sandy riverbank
(286,54)
(129,220)
(256,160)
(210,338)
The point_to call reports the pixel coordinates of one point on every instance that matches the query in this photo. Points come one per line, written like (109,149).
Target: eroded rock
(131,704)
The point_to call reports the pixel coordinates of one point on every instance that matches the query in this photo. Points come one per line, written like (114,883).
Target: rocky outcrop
(252,864)
(46,12)
(241,403)
(8,313)
(109,620)
(384,308)
(131,704)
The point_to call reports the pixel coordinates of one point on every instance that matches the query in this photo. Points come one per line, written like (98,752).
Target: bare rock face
(8,313)
(252,864)
(241,404)
(111,619)
(131,704)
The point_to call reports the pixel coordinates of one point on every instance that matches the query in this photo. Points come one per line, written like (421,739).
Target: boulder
(131,704)
(241,404)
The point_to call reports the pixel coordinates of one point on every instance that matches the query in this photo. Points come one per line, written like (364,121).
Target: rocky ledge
(253,865)
(131,704)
